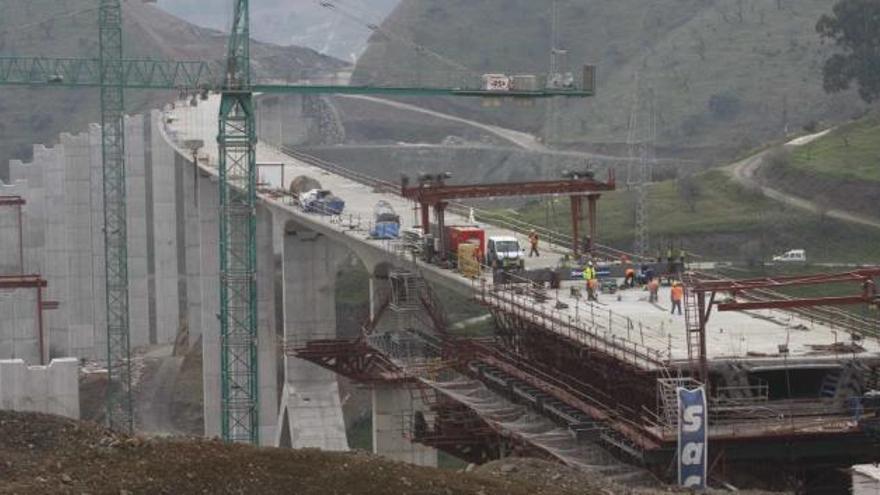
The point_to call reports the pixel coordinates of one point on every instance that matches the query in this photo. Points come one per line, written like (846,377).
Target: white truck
(505,252)
(793,256)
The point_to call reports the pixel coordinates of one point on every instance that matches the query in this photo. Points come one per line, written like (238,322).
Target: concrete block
(52,389)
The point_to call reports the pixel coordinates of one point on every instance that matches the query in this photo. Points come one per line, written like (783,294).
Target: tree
(854,27)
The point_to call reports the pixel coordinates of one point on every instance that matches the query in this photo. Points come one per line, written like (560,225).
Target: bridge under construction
(792,382)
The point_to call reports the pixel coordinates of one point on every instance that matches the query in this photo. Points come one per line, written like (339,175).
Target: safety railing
(599,334)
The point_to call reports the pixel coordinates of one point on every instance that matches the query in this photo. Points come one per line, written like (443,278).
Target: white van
(795,255)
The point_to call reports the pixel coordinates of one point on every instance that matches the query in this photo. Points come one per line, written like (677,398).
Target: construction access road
(745,172)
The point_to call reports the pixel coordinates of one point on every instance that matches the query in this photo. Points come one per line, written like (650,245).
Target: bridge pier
(394,407)
(210,310)
(311,408)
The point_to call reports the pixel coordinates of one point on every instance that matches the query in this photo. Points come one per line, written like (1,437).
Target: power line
(375,27)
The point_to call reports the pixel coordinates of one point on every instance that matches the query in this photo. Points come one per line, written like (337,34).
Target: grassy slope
(728,222)
(686,50)
(851,152)
(840,170)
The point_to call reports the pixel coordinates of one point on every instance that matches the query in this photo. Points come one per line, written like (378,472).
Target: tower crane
(113,74)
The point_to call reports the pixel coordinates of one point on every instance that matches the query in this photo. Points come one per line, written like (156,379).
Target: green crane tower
(237,141)
(119,401)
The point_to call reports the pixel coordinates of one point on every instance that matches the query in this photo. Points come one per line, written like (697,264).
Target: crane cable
(60,15)
(375,27)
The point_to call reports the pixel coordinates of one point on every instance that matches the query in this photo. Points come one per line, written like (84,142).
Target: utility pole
(120,415)
(237,141)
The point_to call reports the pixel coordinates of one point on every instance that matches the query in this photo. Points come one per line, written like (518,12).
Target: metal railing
(603,334)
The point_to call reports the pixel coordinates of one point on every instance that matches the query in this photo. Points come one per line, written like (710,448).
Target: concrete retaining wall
(52,389)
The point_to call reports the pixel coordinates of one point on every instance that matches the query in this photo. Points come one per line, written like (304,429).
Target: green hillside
(851,152)
(719,220)
(840,170)
(726,75)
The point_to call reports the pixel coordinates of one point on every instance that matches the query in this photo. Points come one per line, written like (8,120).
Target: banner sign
(692,438)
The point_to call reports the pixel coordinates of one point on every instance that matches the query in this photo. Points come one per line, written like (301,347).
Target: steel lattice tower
(641,140)
(238,254)
(119,401)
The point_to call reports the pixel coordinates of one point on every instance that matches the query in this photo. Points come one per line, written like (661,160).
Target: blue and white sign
(693,451)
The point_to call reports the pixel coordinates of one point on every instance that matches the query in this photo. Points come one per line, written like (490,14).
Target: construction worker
(590,279)
(533,241)
(629,279)
(677,295)
(593,289)
(653,289)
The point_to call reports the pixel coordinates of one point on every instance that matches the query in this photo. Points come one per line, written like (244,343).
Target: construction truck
(386,222)
(457,235)
(505,253)
(321,201)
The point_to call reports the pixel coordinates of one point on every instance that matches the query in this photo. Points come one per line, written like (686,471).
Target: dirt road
(745,172)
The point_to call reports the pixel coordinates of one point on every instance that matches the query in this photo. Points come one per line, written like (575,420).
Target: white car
(795,255)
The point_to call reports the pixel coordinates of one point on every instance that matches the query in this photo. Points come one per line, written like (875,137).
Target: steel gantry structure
(113,74)
(431,191)
(701,298)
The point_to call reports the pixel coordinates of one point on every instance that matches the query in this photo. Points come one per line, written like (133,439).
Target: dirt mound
(46,454)
(564,479)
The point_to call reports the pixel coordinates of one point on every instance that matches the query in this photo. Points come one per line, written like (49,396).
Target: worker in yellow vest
(590,279)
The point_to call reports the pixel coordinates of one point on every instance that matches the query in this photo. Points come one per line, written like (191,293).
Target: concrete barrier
(52,389)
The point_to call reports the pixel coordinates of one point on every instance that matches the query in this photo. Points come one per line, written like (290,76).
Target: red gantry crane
(432,192)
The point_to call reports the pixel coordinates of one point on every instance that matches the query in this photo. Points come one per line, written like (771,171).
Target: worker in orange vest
(653,289)
(593,289)
(630,278)
(677,294)
(533,241)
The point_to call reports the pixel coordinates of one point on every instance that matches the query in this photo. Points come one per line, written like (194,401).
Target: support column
(576,213)
(136,206)
(393,410)
(80,298)
(440,235)
(189,204)
(160,166)
(592,201)
(425,212)
(209,233)
(311,409)
(267,355)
